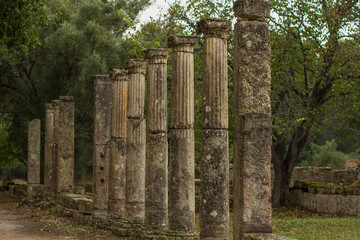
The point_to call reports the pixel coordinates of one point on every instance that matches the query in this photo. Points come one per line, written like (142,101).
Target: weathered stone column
(253,135)
(54,149)
(116,207)
(48,156)
(156,176)
(214,190)
(65,147)
(101,151)
(136,141)
(33,158)
(182,145)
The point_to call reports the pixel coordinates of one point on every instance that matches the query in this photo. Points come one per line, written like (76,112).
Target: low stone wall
(326,198)
(75,205)
(346,176)
(325,175)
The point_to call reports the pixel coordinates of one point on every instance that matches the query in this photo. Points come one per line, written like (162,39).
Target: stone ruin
(134,182)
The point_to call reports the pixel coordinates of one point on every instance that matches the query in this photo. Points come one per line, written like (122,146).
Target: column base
(116,209)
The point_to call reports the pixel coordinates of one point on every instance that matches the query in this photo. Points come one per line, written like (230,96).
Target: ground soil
(20,221)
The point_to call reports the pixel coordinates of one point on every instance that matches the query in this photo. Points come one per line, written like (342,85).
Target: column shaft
(65,134)
(214,190)
(156,175)
(253,135)
(49,141)
(182,146)
(116,207)
(101,151)
(54,148)
(33,158)
(136,141)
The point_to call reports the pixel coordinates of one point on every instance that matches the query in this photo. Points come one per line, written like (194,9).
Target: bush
(327,156)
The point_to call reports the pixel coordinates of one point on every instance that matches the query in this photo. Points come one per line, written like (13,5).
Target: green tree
(313,52)
(18,24)
(79,39)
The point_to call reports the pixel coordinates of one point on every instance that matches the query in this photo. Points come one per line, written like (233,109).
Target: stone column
(253,134)
(182,145)
(156,176)
(54,149)
(116,207)
(33,158)
(214,190)
(101,151)
(48,156)
(65,145)
(136,141)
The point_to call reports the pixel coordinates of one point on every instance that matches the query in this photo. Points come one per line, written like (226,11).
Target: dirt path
(20,225)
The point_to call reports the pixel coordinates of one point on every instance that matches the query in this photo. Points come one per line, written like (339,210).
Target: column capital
(66,99)
(156,53)
(217,28)
(252,10)
(118,74)
(136,66)
(180,40)
(102,80)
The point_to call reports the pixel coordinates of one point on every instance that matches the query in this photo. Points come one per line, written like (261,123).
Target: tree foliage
(78,40)
(313,59)
(18,25)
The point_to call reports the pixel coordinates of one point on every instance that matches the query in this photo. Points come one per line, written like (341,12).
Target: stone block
(252,9)
(252,74)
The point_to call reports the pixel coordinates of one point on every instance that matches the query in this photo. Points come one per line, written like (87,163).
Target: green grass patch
(301,224)
(306,225)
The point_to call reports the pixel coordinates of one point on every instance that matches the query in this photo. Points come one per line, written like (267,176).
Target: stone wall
(325,174)
(346,176)
(326,198)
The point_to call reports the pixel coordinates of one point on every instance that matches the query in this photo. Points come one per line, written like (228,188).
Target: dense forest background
(53,48)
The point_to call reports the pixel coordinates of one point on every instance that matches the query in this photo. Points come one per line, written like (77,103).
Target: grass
(301,224)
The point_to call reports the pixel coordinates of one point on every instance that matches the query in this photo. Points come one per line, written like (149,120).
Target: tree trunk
(284,166)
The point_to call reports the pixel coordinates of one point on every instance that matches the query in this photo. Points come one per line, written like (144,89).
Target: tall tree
(19,19)
(78,40)
(313,52)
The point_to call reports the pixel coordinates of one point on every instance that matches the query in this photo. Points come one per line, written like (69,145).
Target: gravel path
(21,225)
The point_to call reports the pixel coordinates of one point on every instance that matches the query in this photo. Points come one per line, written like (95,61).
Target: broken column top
(136,65)
(176,40)
(118,74)
(102,80)
(66,98)
(214,27)
(156,53)
(253,10)
(50,106)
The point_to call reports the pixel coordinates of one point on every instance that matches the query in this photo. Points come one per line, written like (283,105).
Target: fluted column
(101,149)
(156,179)
(65,147)
(253,135)
(49,142)
(214,190)
(182,146)
(116,207)
(136,141)
(33,157)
